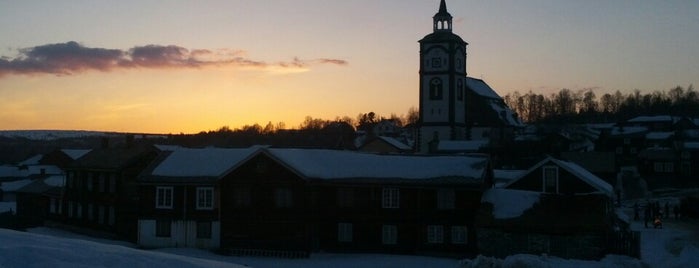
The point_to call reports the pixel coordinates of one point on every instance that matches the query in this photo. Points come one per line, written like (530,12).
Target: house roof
(75,153)
(466,145)
(13,186)
(575,169)
(34,160)
(659,135)
(207,162)
(395,143)
(43,185)
(655,118)
(479,87)
(510,203)
(112,158)
(618,131)
(318,164)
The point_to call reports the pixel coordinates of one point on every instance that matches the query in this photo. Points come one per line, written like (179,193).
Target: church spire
(442,20)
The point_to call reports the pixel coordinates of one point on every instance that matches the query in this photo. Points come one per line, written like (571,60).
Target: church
(453,106)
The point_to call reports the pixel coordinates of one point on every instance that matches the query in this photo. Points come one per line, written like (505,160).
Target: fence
(625,243)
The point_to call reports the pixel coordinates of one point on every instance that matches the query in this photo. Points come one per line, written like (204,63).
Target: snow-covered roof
(585,175)
(75,153)
(627,130)
(12,172)
(13,186)
(395,143)
(331,164)
(453,145)
(575,169)
(55,181)
(34,160)
(659,135)
(691,145)
(322,164)
(655,118)
(504,113)
(509,203)
(479,87)
(207,162)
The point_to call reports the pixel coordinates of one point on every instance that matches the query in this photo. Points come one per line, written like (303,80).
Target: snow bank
(508,203)
(18,249)
(533,261)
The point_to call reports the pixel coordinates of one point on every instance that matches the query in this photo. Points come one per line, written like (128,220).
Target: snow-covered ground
(675,245)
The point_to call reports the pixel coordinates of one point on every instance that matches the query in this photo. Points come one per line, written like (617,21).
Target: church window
(436,89)
(460,90)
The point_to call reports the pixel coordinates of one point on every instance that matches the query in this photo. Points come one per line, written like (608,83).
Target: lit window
(163,197)
(205,198)
(389,234)
(390,198)
(435,234)
(344,232)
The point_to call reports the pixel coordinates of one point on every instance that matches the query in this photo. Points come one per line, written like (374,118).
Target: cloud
(73,58)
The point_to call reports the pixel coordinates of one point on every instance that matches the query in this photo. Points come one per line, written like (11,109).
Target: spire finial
(442,20)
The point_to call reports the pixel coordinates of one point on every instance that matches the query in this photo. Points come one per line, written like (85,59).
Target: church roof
(479,87)
(443,11)
(442,36)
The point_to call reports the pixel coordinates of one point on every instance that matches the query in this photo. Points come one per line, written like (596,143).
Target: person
(657,223)
(646,215)
(635,212)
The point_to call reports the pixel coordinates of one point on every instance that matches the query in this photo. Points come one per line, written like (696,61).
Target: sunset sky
(187,66)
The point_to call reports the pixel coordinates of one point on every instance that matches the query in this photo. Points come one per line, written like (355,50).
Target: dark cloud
(72,57)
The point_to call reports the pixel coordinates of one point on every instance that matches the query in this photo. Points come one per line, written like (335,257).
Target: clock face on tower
(436,62)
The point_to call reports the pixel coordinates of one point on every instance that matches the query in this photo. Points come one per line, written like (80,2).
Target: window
(436,89)
(70,209)
(100,214)
(90,212)
(460,90)
(345,197)
(241,197)
(112,216)
(283,198)
(435,234)
(390,198)
(204,229)
(550,179)
(52,206)
(344,232)
(389,234)
(162,228)
(205,198)
(101,185)
(112,183)
(89,183)
(445,199)
(669,167)
(163,197)
(458,235)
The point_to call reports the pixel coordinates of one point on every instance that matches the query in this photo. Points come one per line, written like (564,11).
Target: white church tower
(442,84)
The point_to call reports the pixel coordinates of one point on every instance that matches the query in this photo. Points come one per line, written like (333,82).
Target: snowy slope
(18,249)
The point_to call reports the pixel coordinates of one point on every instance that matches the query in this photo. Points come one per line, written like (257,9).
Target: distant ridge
(54,134)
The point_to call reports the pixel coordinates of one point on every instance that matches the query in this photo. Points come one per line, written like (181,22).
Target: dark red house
(302,200)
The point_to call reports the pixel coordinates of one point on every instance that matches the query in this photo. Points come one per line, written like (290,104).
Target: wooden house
(555,207)
(101,193)
(294,201)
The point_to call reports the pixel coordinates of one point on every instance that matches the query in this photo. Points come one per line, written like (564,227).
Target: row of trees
(583,105)
(310,123)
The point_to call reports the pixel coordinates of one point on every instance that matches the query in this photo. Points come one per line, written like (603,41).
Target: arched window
(436,89)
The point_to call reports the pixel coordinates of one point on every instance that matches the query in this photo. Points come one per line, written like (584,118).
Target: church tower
(442,84)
